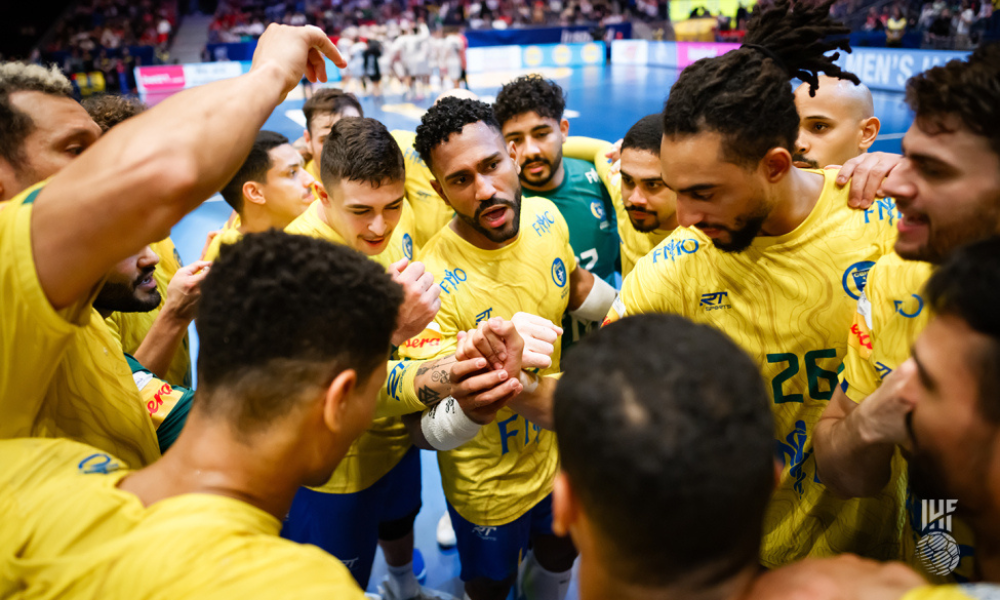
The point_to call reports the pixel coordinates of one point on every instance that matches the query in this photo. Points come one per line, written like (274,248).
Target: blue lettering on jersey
(98,463)
(794,449)
(885,208)
(395,377)
(597,209)
(486,314)
(883,370)
(414,156)
(509,429)
(675,248)
(451,280)
(559,272)
(543,223)
(909,315)
(407,246)
(715,301)
(855,278)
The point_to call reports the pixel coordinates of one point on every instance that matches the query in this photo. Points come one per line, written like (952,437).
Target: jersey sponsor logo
(452,279)
(510,430)
(426,340)
(486,314)
(395,378)
(592,177)
(716,301)
(674,249)
(911,312)
(559,272)
(543,223)
(597,209)
(864,340)
(407,246)
(882,369)
(153,405)
(855,278)
(883,209)
(98,463)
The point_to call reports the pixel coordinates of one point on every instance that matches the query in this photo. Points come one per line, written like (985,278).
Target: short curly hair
(745,95)
(968,89)
(111,109)
(530,93)
(281,316)
(446,117)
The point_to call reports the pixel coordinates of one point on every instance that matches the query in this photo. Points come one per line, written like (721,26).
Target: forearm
(158,348)
(850,461)
(536,405)
(131,187)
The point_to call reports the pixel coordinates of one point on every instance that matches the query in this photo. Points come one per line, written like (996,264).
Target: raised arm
(133,185)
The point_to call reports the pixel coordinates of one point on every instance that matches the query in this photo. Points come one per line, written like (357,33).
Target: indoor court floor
(602,102)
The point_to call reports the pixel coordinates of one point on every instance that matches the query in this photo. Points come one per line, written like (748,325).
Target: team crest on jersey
(407,246)
(559,272)
(98,463)
(855,278)
(597,209)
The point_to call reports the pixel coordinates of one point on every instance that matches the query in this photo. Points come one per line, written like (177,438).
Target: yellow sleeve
(953,592)
(399,395)
(860,376)
(647,290)
(584,148)
(33,335)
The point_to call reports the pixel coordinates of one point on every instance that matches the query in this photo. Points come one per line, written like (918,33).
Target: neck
(596,583)
(552,184)
(476,238)
(795,197)
(256,219)
(208,459)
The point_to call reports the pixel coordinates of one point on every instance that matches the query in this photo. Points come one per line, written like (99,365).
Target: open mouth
(910,222)
(146,284)
(535,168)
(494,217)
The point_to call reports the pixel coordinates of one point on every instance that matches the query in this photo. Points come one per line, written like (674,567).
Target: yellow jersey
(227,236)
(385,443)
(431,212)
(787,301)
(511,463)
(891,313)
(101,542)
(312,167)
(972,591)
(131,328)
(62,373)
(634,244)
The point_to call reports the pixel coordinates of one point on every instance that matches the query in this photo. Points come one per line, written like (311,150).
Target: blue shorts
(347,525)
(495,552)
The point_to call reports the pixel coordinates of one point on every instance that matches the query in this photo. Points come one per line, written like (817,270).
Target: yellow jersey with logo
(69,532)
(131,328)
(970,591)
(510,465)
(62,373)
(634,244)
(430,211)
(787,301)
(891,313)
(380,448)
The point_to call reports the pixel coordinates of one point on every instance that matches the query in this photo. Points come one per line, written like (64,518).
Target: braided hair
(745,95)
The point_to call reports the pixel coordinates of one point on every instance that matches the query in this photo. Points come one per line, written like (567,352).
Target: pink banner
(162,78)
(689,52)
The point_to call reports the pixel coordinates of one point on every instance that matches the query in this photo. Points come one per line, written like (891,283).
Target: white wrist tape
(528,381)
(446,426)
(597,303)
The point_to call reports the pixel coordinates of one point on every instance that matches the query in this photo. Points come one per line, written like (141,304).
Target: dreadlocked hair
(746,94)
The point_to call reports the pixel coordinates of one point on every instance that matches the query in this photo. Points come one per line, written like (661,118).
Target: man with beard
(837,122)
(948,191)
(500,255)
(773,256)
(530,112)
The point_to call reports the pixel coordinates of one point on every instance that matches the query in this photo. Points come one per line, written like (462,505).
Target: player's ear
(321,191)
(565,506)
(252,192)
(337,406)
(564,128)
(306,137)
(512,151)
(869,131)
(776,164)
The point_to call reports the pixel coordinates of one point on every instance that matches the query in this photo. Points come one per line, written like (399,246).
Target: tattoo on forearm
(428,395)
(442,376)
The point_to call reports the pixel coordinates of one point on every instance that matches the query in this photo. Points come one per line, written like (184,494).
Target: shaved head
(836,124)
